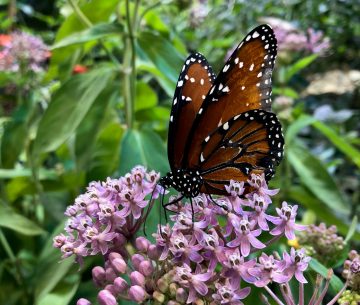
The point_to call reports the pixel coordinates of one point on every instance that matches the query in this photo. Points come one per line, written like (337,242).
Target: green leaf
(11,220)
(87,132)
(351,152)
(25,172)
(352,229)
(145,97)
(94,33)
(335,283)
(62,294)
(323,213)
(143,147)
(295,127)
(314,175)
(68,107)
(161,52)
(105,156)
(299,65)
(287,91)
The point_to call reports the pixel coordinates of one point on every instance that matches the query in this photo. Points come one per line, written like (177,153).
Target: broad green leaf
(287,91)
(51,269)
(14,221)
(68,108)
(335,283)
(91,125)
(161,52)
(299,65)
(25,172)
(301,195)
(350,151)
(62,60)
(165,83)
(62,294)
(140,147)
(145,96)
(295,127)
(105,156)
(97,31)
(314,175)
(352,229)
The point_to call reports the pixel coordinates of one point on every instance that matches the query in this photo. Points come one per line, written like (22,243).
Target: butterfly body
(222,128)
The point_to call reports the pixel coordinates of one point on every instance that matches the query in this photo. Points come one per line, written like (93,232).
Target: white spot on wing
(251,67)
(180,83)
(255,35)
(226,68)
(226,126)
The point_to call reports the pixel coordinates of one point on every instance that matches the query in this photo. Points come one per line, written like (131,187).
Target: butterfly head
(186,182)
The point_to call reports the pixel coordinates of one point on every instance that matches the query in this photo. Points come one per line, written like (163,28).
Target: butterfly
(222,128)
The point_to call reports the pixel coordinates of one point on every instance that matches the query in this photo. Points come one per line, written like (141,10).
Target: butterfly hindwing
(193,84)
(251,141)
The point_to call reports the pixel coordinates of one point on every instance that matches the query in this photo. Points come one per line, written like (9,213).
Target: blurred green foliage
(62,130)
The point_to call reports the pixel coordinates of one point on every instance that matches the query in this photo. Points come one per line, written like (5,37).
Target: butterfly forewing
(243,84)
(193,84)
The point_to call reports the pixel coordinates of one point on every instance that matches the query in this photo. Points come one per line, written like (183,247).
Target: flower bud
(137,278)
(120,284)
(59,241)
(106,298)
(172,303)
(172,289)
(146,268)
(199,302)
(137,294)
(181,295)
(110,274)
(119,265)
(136,259)
(153,252)
(142,244)
(83,302)
(163,285)
(159,297)
(99,276)
(112,289)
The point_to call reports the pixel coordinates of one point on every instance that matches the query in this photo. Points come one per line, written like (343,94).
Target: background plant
(99,104)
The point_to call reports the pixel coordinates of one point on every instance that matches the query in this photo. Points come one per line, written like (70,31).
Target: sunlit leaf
(335,283)
(97,31)
(298,66)
(145,96)
(143,147)
(314,175)
(12,220)
(68,107)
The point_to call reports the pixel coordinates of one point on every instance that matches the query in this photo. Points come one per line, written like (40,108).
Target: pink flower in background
(22,52)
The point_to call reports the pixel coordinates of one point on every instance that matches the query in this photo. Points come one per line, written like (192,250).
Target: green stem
(129,76)
(82,17)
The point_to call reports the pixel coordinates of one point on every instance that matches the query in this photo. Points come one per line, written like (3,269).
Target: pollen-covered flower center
(287,211)
(244,225)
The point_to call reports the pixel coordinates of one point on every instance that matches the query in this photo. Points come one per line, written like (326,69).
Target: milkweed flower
(23,52)
(179,267)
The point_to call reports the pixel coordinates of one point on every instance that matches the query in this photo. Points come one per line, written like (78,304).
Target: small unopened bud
(172,303)
(119,265)
(106,298)
(146,268)
(153,252)
(173,289)
(83,302)
(136,259)
(199,302)
(110,274)
(163,285)
(99,276)
(158,296)
(137,278)
(181,295)
(142,244)
(120,284)
(137,294)
(112,289)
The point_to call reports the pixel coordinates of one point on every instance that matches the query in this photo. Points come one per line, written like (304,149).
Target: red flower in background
(79,69)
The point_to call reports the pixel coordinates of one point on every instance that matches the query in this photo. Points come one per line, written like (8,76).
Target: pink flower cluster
(291,38)
(207,255)
(21,51)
